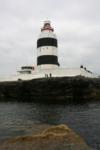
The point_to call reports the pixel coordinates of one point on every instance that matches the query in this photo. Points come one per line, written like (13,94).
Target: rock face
(68,89)
(58,137)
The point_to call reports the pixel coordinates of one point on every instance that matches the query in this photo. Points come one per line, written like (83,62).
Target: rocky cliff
(65,89)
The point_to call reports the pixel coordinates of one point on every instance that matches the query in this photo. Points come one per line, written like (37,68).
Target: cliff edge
(64,89)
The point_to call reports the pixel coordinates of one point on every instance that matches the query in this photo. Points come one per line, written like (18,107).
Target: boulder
(59,137)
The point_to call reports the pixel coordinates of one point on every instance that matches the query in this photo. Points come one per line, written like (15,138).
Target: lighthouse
(47,60)
(47,57)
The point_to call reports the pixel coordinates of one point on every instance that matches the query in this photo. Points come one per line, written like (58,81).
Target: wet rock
(58,137)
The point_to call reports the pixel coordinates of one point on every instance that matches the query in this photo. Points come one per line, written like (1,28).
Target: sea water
(18,119)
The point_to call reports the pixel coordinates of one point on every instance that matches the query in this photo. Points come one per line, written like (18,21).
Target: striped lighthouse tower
(47,48)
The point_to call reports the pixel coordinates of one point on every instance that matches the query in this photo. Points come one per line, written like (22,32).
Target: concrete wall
(60,72)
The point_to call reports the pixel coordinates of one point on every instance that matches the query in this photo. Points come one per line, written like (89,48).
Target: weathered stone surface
(58,137)
(68,89)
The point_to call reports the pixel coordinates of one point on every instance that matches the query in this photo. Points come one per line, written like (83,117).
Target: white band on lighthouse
(47,48)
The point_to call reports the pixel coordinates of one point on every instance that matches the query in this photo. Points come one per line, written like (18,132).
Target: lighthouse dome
(47,30)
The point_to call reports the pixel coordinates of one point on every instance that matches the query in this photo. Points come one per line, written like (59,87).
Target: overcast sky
(76,24)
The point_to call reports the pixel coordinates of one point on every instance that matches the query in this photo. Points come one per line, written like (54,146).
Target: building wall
(51,72)
(47,50)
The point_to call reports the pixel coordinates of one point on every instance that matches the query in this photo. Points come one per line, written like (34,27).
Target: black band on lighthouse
(47,42)
(47,59)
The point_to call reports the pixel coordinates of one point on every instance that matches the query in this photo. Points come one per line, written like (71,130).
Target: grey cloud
(76,23)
